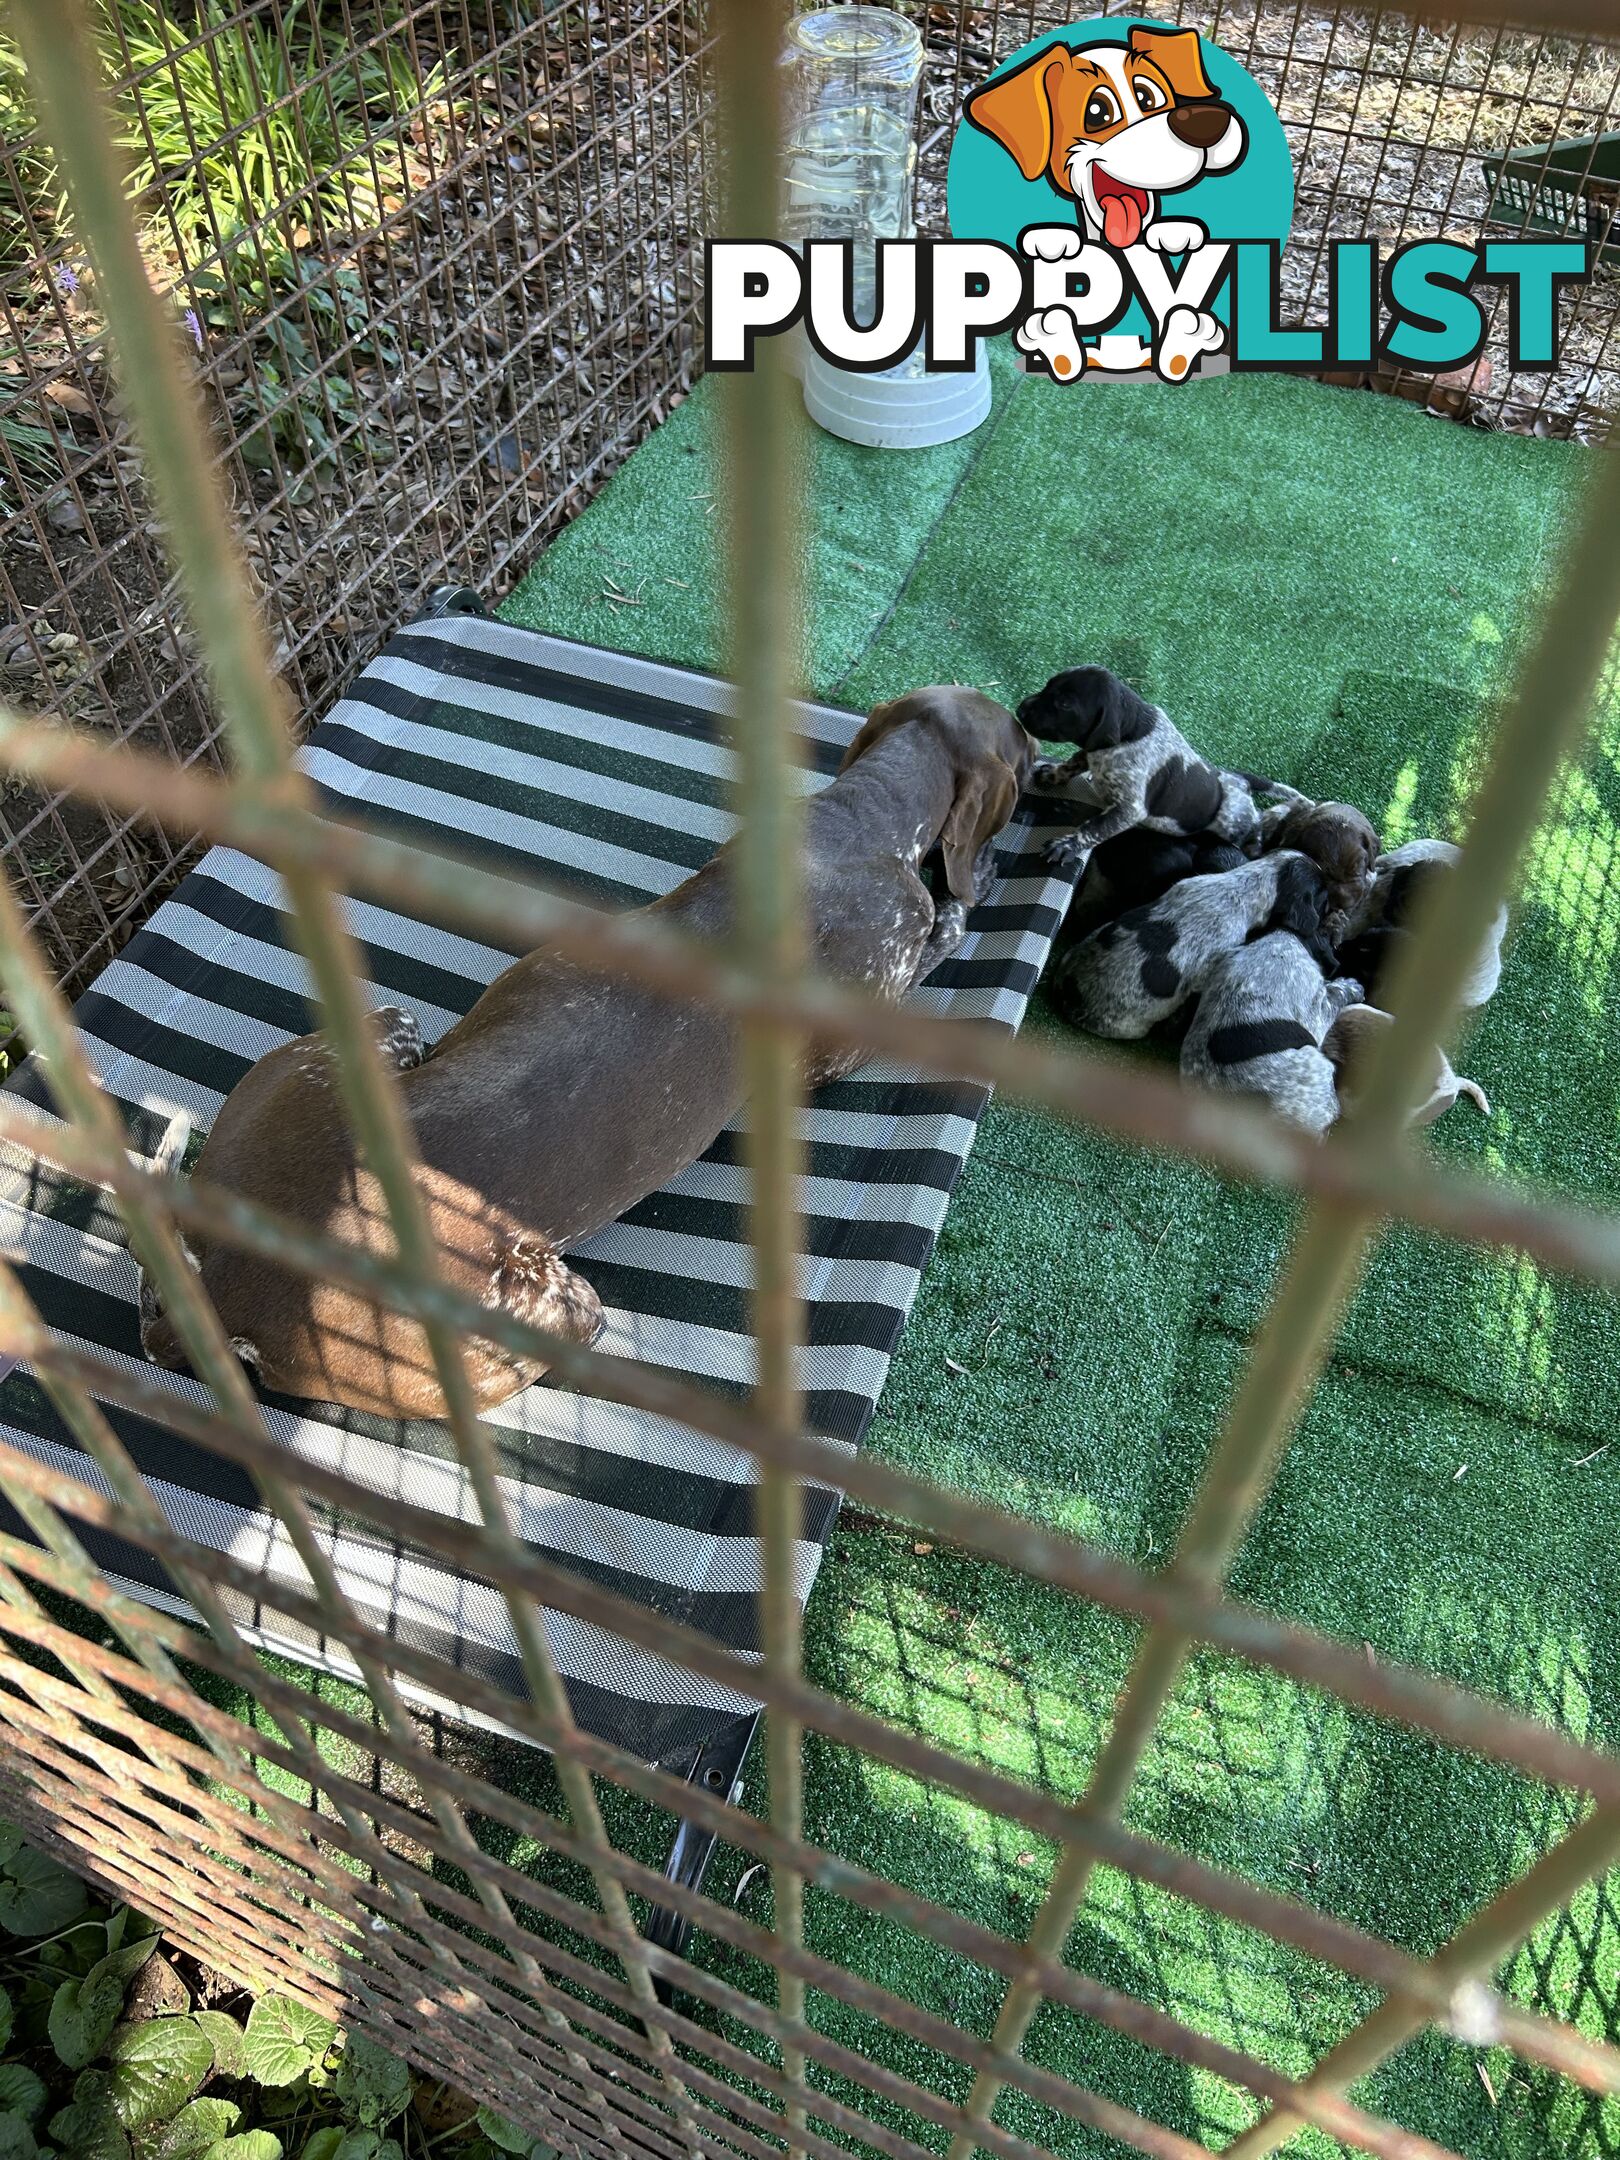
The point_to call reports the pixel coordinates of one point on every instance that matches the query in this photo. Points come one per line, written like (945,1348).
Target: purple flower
(67,280)
(195,327)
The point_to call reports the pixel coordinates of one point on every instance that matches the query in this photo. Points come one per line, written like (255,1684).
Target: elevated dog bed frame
(607,774)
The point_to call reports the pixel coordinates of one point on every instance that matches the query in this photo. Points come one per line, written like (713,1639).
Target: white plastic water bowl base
(904,408)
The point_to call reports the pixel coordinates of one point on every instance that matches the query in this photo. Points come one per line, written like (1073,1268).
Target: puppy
(1258,1030)
(1381,923)
(1136,868)
(1340,841)
(1134,974)
(1348,1045)
(1134,765)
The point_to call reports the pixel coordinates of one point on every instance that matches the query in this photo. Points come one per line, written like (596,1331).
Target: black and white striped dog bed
(608,774)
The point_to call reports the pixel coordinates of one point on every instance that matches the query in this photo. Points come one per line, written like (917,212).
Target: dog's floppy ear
(1347,1046)
(1017,108)
(985,800)
(1179,57)
(1113,700)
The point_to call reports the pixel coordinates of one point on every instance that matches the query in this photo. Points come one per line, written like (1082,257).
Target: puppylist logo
(1120,193)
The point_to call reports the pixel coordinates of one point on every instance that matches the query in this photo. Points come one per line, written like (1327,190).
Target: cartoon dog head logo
(1114,127)
(1123,121)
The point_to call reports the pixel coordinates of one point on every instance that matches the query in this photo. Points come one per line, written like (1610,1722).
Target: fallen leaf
(744,1879)
(71,399)
(952,1366)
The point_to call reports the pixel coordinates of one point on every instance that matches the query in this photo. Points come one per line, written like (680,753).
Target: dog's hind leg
(944,940)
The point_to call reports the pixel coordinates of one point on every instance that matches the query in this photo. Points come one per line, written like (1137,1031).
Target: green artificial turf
(1329,587)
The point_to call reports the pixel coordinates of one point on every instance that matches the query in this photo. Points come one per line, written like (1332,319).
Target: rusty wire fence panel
(1389,118)
(467,290)
(263,1852)
(434,259)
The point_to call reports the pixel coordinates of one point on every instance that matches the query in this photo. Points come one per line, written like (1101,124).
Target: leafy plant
(84,2012)
(36,1896)
(232,121)
(89,2071)
(285,2042)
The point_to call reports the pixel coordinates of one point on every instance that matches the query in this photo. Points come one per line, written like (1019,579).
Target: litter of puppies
(1229,913)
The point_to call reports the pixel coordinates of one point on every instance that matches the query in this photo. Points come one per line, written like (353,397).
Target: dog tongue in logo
(1122,209)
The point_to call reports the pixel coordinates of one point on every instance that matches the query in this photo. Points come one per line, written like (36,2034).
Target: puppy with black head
(1136,868)
(1262,1015)
(1132,767)
(1381,923)
(1133,975)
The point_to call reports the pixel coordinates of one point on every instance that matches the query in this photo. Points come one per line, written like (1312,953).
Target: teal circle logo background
(988,198)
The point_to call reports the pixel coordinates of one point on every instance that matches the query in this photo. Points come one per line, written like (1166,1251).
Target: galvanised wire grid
(118,1761)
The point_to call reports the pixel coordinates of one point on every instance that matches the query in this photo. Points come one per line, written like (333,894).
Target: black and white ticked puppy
(1132,974)
(1262,1016)
(1133,765)
(1135,868)
(1382,922)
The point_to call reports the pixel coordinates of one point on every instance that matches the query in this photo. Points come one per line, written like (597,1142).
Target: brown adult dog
(563,1097)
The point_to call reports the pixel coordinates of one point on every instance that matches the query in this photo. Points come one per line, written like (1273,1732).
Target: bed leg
(451,600)
(718,1768)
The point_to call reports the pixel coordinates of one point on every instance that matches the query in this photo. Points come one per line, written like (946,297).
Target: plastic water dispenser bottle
(850,173)
(851,152)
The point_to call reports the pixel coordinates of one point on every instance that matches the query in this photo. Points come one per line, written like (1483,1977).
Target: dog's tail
(170,1151)
(1476,1095)
(1258,784)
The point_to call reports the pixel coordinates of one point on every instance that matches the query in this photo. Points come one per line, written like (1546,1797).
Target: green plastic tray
(1565,187)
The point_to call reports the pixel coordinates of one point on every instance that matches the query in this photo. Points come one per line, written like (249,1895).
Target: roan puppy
(564,1096)
(1135,868)
(1349,1044)
(1134,764)
(1381,922)
(1131,975)
(1262,1015)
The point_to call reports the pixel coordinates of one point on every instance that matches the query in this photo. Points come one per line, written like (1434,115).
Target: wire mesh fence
(434,263)
(437,267)
(353,1851)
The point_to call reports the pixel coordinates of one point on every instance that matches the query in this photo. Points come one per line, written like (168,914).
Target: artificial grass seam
(985,435)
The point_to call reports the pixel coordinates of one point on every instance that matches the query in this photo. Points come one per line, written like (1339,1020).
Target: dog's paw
(1051,243)
(1066,853)
(1053,335)
(1187,332)
(1048,774)
(1174,236)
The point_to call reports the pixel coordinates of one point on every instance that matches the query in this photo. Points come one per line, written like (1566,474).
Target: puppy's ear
(876,725)
(1347,1045)
(1109,715)
(1179,58)
(985,800)
(1301,902)
(1017,108)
